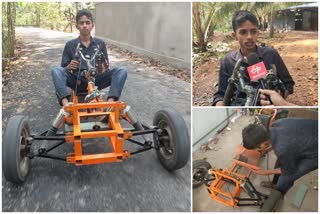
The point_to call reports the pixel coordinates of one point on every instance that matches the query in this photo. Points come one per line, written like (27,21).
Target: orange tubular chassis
(111,130)
(97,119)
(247,162)
(240,181)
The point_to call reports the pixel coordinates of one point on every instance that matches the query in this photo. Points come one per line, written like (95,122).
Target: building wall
(161,30)
(306,20)
(206,122)
(285,21)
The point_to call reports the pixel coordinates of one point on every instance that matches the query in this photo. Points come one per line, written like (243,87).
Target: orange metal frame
(228,198)
(114,132)
(216,188)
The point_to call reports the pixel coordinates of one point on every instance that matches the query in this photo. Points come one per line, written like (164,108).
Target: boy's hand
(264,151)
(73,65)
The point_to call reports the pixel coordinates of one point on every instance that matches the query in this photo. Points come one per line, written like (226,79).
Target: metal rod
(248,199)
(145,126)
(45,132)
(258,194)
(51,157)
(136,142)
(54,146)
(242,205)
(141,150)
(142,132)
(49,137)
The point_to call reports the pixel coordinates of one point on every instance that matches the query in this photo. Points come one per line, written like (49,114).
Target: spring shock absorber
(57,122)
(133,121)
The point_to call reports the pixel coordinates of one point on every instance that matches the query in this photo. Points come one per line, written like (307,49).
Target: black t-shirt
(294,139)
(71,46)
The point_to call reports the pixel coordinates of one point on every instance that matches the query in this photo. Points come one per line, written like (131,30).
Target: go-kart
(82,120)
(226,185)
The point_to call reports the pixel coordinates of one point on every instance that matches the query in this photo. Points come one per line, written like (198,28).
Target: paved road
(137,184)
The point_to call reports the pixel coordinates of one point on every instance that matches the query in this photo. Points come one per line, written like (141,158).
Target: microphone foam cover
(253,58)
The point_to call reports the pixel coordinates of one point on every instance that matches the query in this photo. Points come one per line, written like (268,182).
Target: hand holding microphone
(276,98)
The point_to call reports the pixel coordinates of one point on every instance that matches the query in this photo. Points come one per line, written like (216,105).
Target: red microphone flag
(257,71)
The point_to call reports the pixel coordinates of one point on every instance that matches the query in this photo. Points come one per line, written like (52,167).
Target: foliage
(52,15)
(216,16)
(8,32)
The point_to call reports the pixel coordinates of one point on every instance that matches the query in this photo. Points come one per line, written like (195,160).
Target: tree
(211,15)
(53,15)
(8,29)
(201,23)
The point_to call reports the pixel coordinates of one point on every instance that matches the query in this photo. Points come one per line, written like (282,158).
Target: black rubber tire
(174,143)
(15,163)
(199,172)
(271,202)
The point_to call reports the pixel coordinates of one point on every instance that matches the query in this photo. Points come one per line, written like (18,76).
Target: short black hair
(242,16)
(253,135)
(86,13)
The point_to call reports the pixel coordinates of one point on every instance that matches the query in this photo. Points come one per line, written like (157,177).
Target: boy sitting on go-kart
(72,64)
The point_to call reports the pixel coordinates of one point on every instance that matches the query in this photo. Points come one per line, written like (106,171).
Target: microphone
(257,71)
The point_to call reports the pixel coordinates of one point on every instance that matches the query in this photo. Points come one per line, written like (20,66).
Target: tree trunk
(271,24)
(77,6)
(197,27)
(11,33)
(70,20)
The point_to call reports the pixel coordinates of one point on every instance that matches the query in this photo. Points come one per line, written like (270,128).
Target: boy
(294,142)
(67,74)
(246,32)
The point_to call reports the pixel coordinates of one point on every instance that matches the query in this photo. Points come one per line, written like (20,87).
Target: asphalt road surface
(139,183)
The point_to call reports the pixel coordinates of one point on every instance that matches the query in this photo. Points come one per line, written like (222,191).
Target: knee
(57,71)
(122,72)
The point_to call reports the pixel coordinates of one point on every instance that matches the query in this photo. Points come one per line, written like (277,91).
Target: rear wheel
(200,173)
(172,140)
(15,148)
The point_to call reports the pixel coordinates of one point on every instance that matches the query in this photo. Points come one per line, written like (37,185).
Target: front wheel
(200,173)
(172,141)
(15,148)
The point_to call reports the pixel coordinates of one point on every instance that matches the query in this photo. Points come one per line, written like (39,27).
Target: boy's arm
(66,56)
(268,172)
(223,83)
(265,151)
(284,74)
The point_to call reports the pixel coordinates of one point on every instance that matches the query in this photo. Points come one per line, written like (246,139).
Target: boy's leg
(116,79)
(62,79)
(285,182)
(59,76)
(276,177)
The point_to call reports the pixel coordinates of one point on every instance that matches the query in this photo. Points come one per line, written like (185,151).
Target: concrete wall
(161,30)
(206,122)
